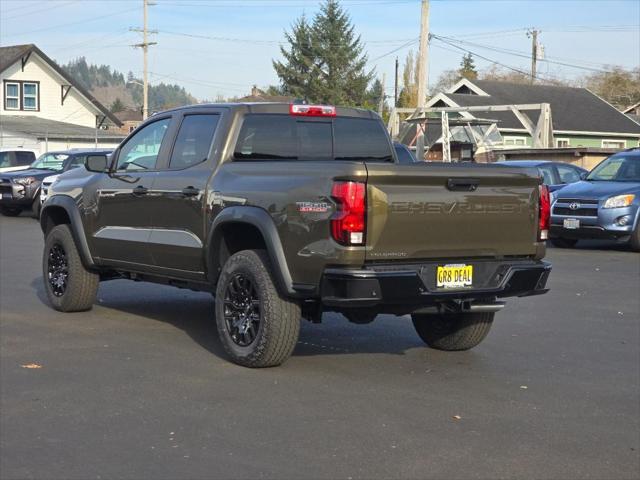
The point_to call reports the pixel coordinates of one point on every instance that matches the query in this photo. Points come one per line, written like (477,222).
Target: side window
(568,174)
(76,161)
(25,158)
(194,140)
(5,160)
(547,176)
(141,151)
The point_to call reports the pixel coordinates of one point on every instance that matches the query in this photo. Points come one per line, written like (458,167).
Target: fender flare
(260,219)
(69,205)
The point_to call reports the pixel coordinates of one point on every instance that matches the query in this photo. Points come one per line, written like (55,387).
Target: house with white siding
(44,108)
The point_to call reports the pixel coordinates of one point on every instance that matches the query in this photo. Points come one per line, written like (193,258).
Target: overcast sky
(244,35)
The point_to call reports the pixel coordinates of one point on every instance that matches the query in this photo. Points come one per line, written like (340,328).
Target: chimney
(254,91)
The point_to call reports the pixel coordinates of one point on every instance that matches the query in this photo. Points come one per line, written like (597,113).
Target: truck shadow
(193,312)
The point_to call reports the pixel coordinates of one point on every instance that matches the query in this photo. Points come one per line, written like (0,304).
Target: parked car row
(24,187)
(601,204)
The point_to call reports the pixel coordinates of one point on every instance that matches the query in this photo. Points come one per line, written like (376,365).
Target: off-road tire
(454,331)
(81,284)
(279,326)
(10,211)
(634,242)
(563,242)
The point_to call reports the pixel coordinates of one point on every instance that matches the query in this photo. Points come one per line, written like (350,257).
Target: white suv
(14,159)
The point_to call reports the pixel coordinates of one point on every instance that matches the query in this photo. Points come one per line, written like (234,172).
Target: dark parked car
(21,190)
(554,174)
(606,205)
(403,153)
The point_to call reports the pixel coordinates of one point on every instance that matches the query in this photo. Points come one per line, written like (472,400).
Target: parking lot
(139,386)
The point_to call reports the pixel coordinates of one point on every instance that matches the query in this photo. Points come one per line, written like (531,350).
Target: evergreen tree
(296,73)
(325,62)
(468,67)
(117,106)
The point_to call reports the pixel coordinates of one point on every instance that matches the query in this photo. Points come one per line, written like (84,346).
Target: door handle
(463,184)
(140,190)
(190,191)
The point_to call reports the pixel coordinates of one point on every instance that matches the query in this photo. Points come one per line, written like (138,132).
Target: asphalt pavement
(139,387)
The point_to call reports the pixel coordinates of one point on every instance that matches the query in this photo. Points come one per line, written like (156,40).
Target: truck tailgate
(446,211)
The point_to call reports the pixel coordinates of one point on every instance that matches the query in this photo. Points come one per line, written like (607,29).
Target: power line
(519,54)
(87,20)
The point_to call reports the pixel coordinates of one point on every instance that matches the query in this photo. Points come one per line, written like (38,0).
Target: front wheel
(453,331)
(258,327)
(10,211)
(69,285)
(635,239)
(563,242)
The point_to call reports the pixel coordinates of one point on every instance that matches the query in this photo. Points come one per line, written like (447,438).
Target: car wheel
(453,331)
(635,239)
(10,211)
(258,327)
(563,242)
(36,206)
(69,285)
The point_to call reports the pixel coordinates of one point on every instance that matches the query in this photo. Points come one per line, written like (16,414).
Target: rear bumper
(407,288)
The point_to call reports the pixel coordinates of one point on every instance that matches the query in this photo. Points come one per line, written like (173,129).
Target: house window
(515,141)
(12,96)
(29,96)
(617,144)
(562,143)
(21,95)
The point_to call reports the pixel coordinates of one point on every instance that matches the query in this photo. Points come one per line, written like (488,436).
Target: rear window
(283,137)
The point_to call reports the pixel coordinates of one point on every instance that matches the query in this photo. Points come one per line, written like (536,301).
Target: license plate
(454,276)
(7,196)
(571,223)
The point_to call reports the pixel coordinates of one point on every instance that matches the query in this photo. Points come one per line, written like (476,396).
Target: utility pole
(395,86)
(382,96)
(423,67)
(145,47)
(533,34)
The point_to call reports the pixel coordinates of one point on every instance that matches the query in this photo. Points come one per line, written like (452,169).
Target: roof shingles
(572,109)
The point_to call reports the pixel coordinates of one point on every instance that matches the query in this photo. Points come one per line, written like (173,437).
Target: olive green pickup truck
(287,211)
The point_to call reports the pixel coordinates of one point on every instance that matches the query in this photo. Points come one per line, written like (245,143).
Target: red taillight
(312,110)
(544,214)
(348,224)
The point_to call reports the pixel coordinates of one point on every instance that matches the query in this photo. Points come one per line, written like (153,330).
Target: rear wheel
(70,287)
(453,331)
(563,242)
(10,211)
(257,326)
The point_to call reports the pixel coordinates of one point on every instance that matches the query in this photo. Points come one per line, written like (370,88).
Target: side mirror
(583,175)
(97,163)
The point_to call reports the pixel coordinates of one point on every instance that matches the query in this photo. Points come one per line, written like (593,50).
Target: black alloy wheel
(242,310)
(57,270)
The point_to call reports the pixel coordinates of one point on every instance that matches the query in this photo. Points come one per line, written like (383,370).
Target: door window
(25,158)
(568,174)
(141,151)
(194,140)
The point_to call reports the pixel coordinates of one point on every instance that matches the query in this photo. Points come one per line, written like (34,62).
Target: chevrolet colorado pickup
(286,211)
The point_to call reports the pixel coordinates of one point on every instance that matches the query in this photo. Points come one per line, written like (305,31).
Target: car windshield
(622,168)
(50,161)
